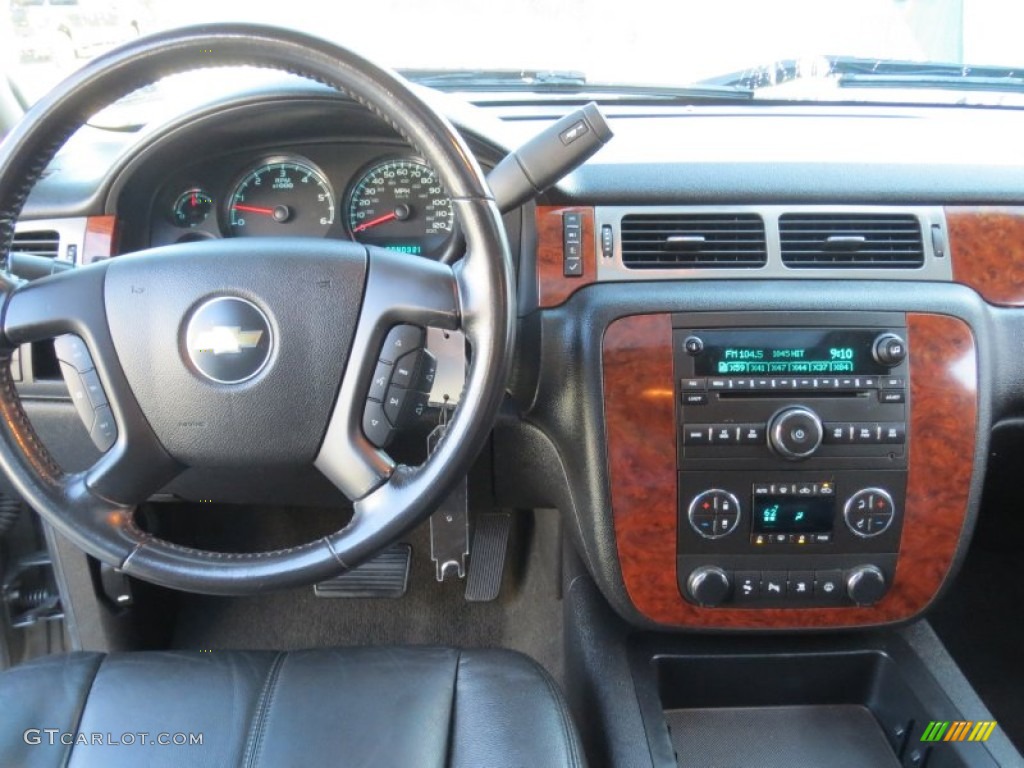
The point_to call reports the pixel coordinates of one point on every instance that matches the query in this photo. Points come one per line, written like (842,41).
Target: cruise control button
(104,429)
(72,350)
(93,389)
(375,424)
(379,382)
(401,339)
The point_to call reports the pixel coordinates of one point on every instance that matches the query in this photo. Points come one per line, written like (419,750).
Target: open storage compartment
(850,702)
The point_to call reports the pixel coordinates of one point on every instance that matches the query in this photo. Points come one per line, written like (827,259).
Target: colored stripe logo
(958,730)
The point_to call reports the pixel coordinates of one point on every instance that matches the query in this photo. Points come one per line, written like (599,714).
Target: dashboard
(791,314)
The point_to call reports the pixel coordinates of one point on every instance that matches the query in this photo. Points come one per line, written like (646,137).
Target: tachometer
(400,204)
(284,196)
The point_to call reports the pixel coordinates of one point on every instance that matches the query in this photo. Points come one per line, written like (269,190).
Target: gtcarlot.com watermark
(53,736)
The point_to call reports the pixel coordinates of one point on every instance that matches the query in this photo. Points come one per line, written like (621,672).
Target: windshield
(790,50)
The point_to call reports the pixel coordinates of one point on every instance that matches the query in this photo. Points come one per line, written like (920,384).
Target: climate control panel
(792,458)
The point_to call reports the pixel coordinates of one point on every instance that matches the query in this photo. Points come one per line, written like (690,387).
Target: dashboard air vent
(841,240)
(693,240)
(39,243)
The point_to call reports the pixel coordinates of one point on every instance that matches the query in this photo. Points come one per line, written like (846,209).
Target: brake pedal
(386,576)
(487,556)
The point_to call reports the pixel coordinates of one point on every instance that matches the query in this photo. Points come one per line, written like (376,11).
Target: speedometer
(400,204)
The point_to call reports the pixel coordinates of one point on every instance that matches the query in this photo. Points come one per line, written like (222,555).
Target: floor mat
(527,616)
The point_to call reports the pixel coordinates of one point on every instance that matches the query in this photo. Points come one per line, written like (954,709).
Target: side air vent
(41,243)
(693,240)
(839,240)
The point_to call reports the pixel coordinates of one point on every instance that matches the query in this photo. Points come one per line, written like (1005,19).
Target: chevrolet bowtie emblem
(225,340)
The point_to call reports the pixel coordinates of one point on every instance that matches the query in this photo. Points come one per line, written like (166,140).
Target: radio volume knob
(890,350)
(795,433)
(865,584)
(708,585)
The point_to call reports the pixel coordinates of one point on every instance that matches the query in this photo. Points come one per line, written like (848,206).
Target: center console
(792,456)
(784,470)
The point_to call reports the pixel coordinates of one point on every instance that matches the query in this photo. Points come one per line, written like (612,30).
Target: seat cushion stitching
(564,716)
(81,710)
(254,742)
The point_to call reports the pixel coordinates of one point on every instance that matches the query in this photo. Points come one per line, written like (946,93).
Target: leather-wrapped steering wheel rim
(94,508)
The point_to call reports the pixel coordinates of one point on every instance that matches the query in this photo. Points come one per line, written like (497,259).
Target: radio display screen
(787,514)
(785,351)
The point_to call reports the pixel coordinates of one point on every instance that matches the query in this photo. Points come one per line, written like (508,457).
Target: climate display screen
(781,352)
(787,514)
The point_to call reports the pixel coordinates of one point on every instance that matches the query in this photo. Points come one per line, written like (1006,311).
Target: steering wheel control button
(394,402)
(405,369)
(714,513)
(869,512)
(79,395)
(229,340)
(93,389)
(104,429)
(72,350)
(379,382)
(376,426)
(427,372)
(400,340)
(795,433)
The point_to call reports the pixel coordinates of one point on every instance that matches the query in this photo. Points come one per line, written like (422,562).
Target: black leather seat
(345,707)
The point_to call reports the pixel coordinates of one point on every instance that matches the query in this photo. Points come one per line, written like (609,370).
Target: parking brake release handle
(547,157)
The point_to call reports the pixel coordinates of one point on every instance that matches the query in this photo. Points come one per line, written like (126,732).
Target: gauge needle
(253,209)
(374,222)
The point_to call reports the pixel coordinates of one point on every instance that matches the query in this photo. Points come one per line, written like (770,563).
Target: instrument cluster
(389,200)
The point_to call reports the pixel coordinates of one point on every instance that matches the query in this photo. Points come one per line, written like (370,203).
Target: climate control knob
(795,433)
(708,585)
(865,584)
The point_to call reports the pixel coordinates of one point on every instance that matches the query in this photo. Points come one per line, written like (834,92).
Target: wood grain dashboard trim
(553,287)
(640,420)
(986,246)
(100,238)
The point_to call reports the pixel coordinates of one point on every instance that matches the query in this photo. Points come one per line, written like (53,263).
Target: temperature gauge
(191,208)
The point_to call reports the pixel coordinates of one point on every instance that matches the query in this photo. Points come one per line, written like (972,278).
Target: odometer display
(400,204)
(282,197)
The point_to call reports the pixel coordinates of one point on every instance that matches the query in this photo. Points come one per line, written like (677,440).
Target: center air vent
(835,240)
(39,243)
(693,240)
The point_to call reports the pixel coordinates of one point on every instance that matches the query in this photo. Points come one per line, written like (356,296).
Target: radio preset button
(892,382)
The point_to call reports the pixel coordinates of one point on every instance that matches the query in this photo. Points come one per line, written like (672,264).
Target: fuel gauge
(191,208)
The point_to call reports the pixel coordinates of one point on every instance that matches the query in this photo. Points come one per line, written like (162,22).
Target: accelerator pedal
(386,576)
(487,556)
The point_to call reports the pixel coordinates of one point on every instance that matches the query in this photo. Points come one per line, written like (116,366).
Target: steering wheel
(314,314)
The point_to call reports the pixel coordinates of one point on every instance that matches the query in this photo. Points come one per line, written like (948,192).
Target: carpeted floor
(527,616)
